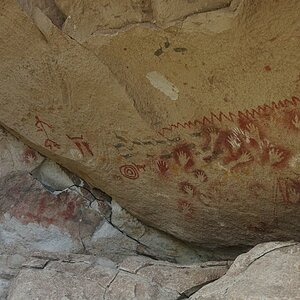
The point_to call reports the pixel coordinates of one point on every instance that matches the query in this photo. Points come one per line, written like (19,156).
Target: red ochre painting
(260,141)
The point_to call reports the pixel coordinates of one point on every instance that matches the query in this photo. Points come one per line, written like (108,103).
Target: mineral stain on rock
(162,84)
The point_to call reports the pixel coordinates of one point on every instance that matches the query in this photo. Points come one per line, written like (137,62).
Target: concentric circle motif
(129,171)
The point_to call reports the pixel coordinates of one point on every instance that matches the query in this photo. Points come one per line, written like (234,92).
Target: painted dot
(268,68)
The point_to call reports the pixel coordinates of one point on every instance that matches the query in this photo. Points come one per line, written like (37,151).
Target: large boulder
(192,128)
(268,271)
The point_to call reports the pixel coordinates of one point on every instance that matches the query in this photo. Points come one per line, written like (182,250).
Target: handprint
(29,156)
(275,156)
(265,144)
(241,135)
(188,189)
(186,208)
(251,128)
(273,122)
(254,131)
(200,175)
(294,163)
(162,166)
(296,122)
(245,157)
(234,141)
(183,158)
(294,196)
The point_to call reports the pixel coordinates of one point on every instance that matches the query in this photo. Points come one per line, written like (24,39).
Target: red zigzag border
(250,114)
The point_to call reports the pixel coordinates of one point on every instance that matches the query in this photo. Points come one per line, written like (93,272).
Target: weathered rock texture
(48,7)
(90,277)
(268,271)
(190,123)
(88,17)
(51,210)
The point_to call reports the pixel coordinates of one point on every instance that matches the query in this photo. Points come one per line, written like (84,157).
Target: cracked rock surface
(268,271)
(45,208)
(48,216)
(41,276)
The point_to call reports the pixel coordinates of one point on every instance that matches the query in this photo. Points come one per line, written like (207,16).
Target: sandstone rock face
(88,17)
(192,126)
(268,271)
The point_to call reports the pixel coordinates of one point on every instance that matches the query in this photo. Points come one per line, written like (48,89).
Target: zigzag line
(250,114)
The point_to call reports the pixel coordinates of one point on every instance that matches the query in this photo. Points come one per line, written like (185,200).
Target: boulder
(191,127)
(268,271)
